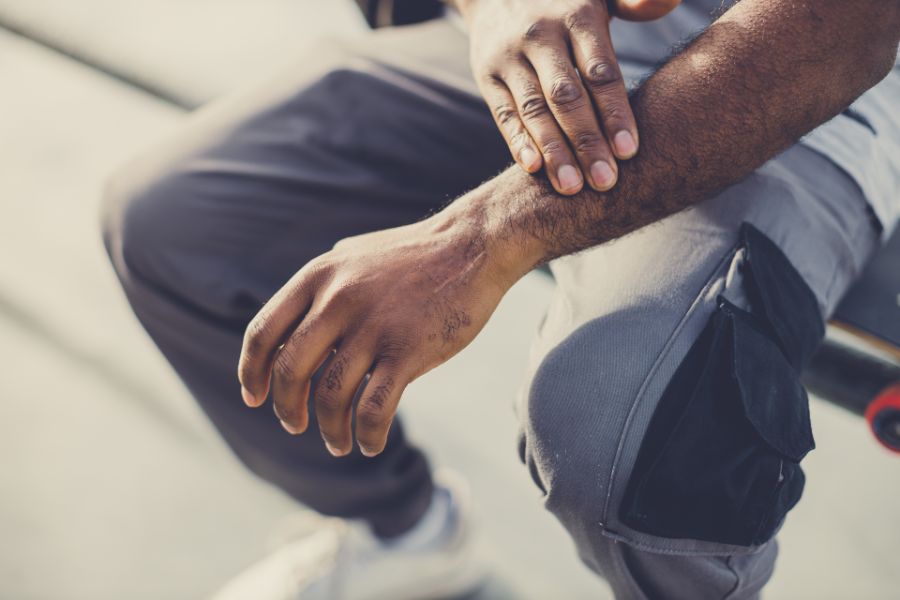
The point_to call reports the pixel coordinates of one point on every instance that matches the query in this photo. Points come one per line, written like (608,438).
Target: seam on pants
(638,545)
(663,353)
(852,263)
(624,572)
(737,579)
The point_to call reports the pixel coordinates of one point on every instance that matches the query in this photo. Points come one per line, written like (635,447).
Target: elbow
(881,52)
(881,61)
(872,29)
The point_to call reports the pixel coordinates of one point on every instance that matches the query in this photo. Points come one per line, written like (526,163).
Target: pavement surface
(114,486)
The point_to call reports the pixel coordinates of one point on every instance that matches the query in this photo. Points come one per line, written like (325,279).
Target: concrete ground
(113,486)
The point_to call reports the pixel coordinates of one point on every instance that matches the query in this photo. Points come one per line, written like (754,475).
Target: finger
(571,105)
(600,71)
(302,354)
(334,394)
(266,332)
(644,10)
(377,407)
(503,108)
(561,166)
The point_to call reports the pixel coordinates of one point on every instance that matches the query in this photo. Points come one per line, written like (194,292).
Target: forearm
(763,75)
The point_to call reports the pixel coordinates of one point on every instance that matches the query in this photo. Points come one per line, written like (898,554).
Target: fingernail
(368,453)
(603,175)
(290,428)
(334,451)
(249,399)
(569,179)
(529,157)
(625,145)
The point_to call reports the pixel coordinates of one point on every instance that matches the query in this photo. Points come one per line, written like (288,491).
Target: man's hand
(389,306)
(397,303)
(548,71)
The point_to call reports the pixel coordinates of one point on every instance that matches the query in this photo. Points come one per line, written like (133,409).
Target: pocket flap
(780,294)
(774,400)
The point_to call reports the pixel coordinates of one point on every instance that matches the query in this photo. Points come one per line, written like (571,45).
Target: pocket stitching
(696,304)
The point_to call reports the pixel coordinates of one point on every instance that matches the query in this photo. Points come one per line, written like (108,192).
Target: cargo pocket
(720,459)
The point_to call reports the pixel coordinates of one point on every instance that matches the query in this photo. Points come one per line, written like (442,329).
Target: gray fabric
(205,228)
(623,317)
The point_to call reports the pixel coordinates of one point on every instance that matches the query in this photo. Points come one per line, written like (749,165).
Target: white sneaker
(339,559)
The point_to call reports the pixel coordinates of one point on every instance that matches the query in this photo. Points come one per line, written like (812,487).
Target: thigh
(647,375)
(358,136)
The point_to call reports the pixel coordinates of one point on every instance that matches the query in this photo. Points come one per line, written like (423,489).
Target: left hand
(549,74)
(390,305)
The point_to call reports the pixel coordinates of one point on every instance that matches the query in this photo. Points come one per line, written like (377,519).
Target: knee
(140,217)
(577,406)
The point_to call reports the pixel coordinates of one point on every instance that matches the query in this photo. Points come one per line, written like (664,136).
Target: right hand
(549,74)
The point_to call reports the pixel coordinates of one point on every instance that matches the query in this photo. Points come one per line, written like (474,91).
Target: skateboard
(858,368)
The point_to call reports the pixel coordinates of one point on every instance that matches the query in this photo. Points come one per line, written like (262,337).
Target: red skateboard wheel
(883,415)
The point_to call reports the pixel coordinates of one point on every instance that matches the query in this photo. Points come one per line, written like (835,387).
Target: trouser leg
(664,418)
(206,228)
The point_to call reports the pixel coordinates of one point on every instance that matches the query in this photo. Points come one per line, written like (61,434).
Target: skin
(548,70)
(397,303)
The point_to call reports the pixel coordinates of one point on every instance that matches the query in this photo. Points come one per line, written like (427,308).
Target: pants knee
(146,226)
(578,408)
(691,453)
(127,222)
(574,413)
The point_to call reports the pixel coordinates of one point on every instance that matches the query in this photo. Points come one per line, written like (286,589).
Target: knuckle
(339,293)
(505,114)
(601,73)
(255,335)
(490,76)
(397,347)
(370,415)
(587,141)
(552,148)
(317,270)
(343,243)
(328,403)
(333,379)
(565,92)
(613,111)
(519,139)
(378,397)
(534,106)
(537,30)
(302,333)
(285,367)
(583,18)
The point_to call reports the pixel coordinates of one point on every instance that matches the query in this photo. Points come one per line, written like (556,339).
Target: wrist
(482,220)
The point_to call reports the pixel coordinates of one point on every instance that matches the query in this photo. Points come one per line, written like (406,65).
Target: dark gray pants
(204,229)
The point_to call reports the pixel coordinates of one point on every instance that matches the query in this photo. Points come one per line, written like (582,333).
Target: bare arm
(763,75)
(397,303)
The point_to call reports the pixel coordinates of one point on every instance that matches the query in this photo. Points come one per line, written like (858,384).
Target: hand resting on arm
(391,305)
